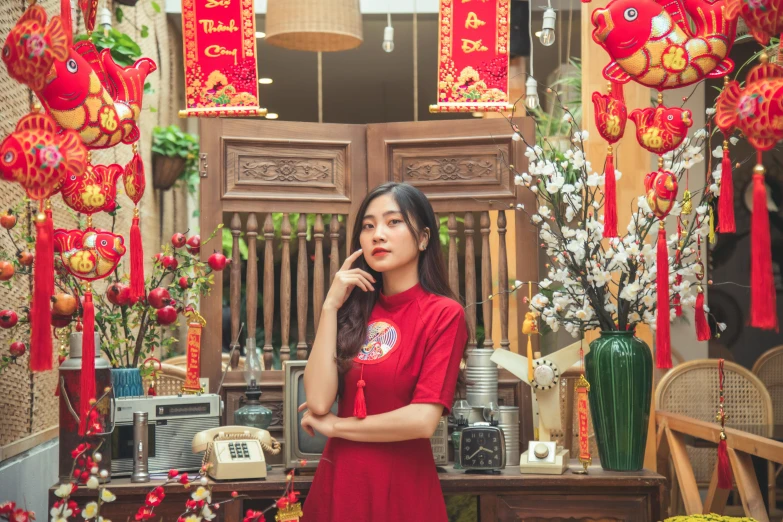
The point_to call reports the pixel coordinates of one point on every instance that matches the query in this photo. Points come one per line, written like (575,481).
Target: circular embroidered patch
(382,338)
(675,58)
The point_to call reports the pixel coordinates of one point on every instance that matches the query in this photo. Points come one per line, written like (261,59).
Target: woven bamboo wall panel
(27,401)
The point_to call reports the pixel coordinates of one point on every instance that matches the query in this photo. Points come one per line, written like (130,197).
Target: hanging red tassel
(763,305)
(136,260)
(65,14)
(43,289)
(702,326)
(617,92)
(724,465)
(87,383)
(610,197)
(663,349)
(726,199)
(359,404)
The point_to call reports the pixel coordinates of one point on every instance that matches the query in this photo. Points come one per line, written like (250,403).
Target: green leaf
(155,6)
(153,109)
(145,31)
(118,14)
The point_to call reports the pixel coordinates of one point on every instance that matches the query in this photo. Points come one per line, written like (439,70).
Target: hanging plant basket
(166,170)
(127,2)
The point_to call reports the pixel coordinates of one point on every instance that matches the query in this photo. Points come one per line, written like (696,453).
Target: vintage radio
(173,422)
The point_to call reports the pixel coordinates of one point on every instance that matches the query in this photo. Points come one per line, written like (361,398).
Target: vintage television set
(299,445)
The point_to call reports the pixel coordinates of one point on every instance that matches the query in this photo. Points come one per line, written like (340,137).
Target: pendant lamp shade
(314,25)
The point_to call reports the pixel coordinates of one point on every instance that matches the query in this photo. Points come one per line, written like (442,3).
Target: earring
(422,247)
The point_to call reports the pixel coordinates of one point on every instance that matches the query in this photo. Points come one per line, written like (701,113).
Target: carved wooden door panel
(258,167)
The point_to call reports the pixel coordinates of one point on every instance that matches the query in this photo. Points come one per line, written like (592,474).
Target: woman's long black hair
(353,316)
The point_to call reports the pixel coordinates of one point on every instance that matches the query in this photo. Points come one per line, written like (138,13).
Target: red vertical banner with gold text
(221,73)
(193,357)
(582,389)
(473,43)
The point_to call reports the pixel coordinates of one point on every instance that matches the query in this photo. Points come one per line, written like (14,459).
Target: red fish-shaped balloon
(89,254)
(661,129)
(94,191)
(40,159)
(756,109)
(661,189)
(91,94)
(611,116)
(764,18)
(652,43)
(32,47)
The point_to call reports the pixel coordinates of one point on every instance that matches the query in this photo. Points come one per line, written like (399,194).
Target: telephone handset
(235,452)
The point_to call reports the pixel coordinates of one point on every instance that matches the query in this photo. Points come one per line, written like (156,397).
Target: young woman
(389,344)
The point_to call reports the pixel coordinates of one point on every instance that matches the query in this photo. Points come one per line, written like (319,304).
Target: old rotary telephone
(235,452)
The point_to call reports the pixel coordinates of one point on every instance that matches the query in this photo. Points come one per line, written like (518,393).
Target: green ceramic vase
(619,368)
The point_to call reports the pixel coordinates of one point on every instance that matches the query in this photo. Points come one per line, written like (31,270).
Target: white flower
(193,518)
(518,180)
(580,136)
(629,291)
(634,317)
(648,300)
(101,519)
(717,152)
(710,111)
(701,133)
(534,189)
(520,206)
(516,137)
(715,189)
(722,327)
(61,513)
(543,210)
(64,490)
(734,140)
(539,301)
(601,277)
(569,213)
(535,218)
(555,183)
(107,496)
(641,201)
(544,283)
(90,510)
(701,210)
(201,493)
(568,188)
(92,482)
(207,513)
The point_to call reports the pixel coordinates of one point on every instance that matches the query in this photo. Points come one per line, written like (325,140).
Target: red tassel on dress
(43,289)
(663,349)
(359,404)
(763,305)
(726,199)
(87,383)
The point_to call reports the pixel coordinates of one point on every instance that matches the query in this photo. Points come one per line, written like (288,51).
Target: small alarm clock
(482,448)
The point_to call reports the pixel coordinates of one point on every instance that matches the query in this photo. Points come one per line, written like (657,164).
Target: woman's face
(386,240)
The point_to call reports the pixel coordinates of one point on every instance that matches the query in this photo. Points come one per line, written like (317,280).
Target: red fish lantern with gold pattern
(652,43)
(764,18)
(661,129)
(88,255)
(756,111)
(37,157)
(94,191)
(611,115)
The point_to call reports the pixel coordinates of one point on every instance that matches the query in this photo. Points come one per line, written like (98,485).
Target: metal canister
(482,376)
(509,423)
(140,448)
(70,380)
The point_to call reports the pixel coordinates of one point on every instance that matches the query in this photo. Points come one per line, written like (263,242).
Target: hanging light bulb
(531,93)
(547,34)
(104,20)
(388,35)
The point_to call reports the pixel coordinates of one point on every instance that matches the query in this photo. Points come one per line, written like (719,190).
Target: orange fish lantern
(757,112)
(32,47)
(94,191)
(89,255)
(764,18)
(40,159)
(661,189)
(651,42)
(661,129)
(611,115)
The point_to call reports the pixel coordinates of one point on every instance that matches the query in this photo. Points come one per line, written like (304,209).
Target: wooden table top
(452,482)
